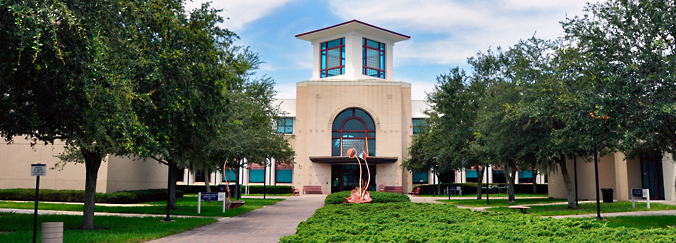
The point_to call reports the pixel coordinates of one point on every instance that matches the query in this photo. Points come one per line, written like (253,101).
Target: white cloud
(461,27)
(285,91)
(419,90)
(240,13)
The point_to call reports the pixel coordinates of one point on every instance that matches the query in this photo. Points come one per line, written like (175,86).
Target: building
(351,100)
(653,172)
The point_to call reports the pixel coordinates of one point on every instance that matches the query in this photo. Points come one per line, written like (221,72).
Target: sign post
(37,170)
(210,197)
(646,194)
(640,193)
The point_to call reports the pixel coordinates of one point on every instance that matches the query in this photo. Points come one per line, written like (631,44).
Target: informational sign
(212,196)
(38,169)
(209,197)
(640,193)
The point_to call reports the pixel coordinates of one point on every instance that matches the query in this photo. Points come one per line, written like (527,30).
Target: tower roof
(352,25)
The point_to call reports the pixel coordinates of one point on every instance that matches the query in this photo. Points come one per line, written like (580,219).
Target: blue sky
(443,33)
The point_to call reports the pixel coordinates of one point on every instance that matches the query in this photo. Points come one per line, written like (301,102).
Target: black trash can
(607,195)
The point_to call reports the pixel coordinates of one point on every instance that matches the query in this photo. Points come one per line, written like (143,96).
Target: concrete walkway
(634,213)
(267,224)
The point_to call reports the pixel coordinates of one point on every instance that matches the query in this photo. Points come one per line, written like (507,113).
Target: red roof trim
(353,21)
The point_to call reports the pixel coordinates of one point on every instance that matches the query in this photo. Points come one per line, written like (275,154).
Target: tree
(627,53)
(58,82)
(448,135)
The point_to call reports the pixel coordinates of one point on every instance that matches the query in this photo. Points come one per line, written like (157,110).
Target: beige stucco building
(621,174)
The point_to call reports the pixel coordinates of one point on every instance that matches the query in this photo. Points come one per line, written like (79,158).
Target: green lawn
(589,208)
(499,202)
(642,222)
(186,206)
(490,195)
(19,228)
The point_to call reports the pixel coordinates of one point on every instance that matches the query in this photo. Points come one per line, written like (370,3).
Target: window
(333,58)
(285,125)
(228,175)
(353,128)
(418,125)
(284,175)
(257,175)
(373,58)
(420,177)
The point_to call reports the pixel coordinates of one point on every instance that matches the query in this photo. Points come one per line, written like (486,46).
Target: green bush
(78,196)
(471,188)
(377,197)
(432,222)
(252,189)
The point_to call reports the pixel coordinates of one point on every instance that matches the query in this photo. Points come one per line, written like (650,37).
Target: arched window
(353,128)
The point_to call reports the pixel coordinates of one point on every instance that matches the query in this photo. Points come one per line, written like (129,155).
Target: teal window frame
(285,125)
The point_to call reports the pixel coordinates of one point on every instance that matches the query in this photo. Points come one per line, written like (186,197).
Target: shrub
(252,189)
(78,196)
(432,222)
(377,197)
(471,188)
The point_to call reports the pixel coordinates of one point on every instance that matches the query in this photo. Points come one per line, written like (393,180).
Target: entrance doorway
(651,175)
(346,177)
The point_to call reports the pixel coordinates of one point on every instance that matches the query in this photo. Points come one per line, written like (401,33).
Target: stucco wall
(585,175)
(135,174)
(317,104)
(668,171)
(16,159)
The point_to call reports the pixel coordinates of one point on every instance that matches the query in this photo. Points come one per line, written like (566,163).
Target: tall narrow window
(333,58)
(373,60)
(353,128)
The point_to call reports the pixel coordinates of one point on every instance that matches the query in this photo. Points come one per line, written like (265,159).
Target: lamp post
(596,174)
(596,167)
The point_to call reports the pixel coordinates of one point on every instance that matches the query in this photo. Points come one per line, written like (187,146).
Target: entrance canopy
(342,160)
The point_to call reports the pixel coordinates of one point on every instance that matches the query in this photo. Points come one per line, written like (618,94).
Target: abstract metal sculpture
(359,193)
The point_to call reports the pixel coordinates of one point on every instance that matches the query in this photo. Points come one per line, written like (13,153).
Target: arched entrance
(352,128)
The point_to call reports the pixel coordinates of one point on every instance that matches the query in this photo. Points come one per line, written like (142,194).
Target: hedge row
(377,197)
(258,189)
(78,195)
(471,188)
(433,222)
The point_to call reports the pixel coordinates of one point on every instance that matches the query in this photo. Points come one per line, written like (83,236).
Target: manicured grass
(642,222)
(491,195)
(185,205)
(499,202)
(433,222)
(589,208)
(19,228)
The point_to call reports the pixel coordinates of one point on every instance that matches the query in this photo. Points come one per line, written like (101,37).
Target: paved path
(635,213)
(267,224)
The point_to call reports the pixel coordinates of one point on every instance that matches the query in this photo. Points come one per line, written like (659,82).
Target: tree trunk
(479,177)
(173,177)
(207,176)
(535,182)
(511,179)
(566,181)
(92,165)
